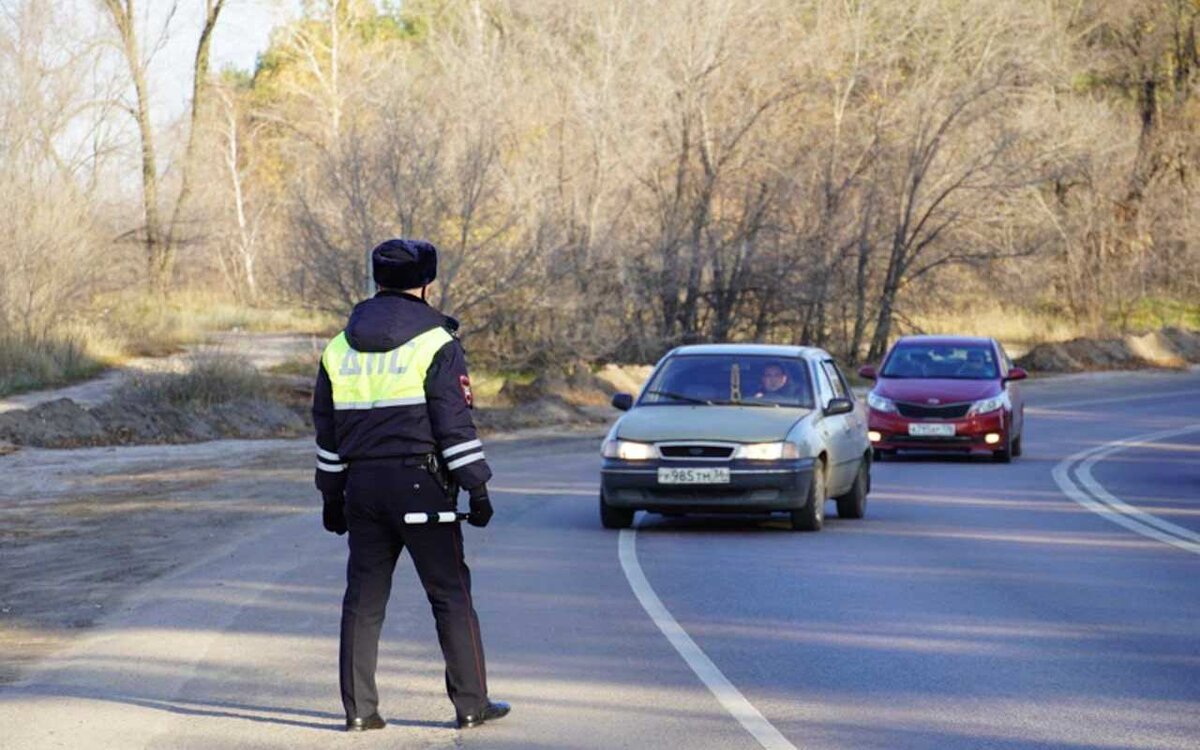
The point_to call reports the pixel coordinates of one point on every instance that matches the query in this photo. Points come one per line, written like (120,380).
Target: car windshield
(951,361)
(745,380)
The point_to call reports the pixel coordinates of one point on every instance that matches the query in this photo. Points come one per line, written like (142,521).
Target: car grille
(697,450)
(925,411)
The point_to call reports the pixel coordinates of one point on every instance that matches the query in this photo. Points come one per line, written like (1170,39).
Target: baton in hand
(446,516)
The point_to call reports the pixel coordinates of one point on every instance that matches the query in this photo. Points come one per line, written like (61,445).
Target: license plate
(931,430)
(693,476)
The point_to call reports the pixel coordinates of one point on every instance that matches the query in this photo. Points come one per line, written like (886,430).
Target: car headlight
(767,451)
(627,450)
(879,403)
(987,405)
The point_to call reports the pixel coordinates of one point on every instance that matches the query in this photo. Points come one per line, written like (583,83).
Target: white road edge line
(1107,505)
(724,691)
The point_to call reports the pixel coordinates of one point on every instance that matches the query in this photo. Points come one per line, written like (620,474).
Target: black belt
(427,461)
(420,459)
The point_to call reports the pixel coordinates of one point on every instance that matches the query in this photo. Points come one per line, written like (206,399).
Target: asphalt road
(1051,603)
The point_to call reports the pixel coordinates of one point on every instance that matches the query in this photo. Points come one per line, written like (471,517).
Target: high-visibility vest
(375,380)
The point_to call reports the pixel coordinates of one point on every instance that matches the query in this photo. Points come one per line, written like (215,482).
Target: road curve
(978,605)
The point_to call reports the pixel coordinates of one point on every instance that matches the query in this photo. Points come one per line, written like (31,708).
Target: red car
(946,393)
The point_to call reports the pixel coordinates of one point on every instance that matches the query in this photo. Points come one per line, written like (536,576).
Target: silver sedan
(738,428)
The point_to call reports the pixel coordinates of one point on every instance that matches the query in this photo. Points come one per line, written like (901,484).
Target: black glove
(333,516)
(481,507)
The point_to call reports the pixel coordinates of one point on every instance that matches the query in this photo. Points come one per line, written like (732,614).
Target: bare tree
(200,88)
(159,240)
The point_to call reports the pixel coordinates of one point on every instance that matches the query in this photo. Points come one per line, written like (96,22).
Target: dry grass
(29,363)
(209,379)
(305,365)
(147,327)
(1017,329)
(122,326)
(1021,329)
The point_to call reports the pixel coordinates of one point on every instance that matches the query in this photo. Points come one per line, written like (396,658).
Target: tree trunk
(199,88)
(124,18)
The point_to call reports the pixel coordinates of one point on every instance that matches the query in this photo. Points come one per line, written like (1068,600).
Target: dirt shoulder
(82,529)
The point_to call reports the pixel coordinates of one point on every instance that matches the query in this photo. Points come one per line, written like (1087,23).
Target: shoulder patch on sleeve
(464,383)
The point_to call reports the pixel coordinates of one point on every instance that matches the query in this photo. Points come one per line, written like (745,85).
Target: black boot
(492,711)
(374,721)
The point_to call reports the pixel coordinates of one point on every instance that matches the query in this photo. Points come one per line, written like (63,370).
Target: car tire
(812,516)
(1017,449)
(615,518)
(853,504)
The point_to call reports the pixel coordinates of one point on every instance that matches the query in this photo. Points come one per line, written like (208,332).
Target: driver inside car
(977,365)
(775,384)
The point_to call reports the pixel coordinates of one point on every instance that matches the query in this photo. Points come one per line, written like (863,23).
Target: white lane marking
(1084,473)
(724,691)
(1116,399)
(1107,505)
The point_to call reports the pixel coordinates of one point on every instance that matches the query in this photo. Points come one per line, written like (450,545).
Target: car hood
(739,424)
(945,390)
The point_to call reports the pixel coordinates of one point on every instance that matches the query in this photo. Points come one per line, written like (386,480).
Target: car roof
(768,350)
(944,340)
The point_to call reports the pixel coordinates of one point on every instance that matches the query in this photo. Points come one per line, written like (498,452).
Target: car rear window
(951,361)
(747,380)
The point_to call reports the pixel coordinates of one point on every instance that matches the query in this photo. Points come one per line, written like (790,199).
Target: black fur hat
(404,264)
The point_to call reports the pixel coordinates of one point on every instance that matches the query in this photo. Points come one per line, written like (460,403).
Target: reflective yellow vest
(374,380)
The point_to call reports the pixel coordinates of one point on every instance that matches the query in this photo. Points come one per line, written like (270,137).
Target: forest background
(607,179)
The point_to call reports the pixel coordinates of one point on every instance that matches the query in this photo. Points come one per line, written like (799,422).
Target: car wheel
(615,518)
(1005,454)
(812,516)
(853,504)
(1016,446)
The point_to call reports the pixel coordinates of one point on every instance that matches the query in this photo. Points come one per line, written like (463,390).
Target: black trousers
(378,494)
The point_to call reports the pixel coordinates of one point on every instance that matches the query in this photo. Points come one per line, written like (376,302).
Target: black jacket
(441,425)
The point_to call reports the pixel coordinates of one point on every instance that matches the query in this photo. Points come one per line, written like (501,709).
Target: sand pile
(1170,347)
(66,424)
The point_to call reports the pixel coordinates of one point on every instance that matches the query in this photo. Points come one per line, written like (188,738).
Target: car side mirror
(839,406)
(867,372)
(622,401)
(1017,373)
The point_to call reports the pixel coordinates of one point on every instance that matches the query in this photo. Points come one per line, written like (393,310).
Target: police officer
(392,410)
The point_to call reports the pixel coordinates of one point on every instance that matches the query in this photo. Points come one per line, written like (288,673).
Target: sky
(244,29)
(242,33)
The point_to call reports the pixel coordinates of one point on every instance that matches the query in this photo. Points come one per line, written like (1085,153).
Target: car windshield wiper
(680,397)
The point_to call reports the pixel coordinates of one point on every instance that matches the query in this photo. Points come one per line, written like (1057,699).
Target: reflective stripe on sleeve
(454,450)
(331,468)
(468,459)
(410,401)
(328,455)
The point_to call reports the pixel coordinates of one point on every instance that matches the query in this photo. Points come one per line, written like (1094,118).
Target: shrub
(209,379)
(34,362)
